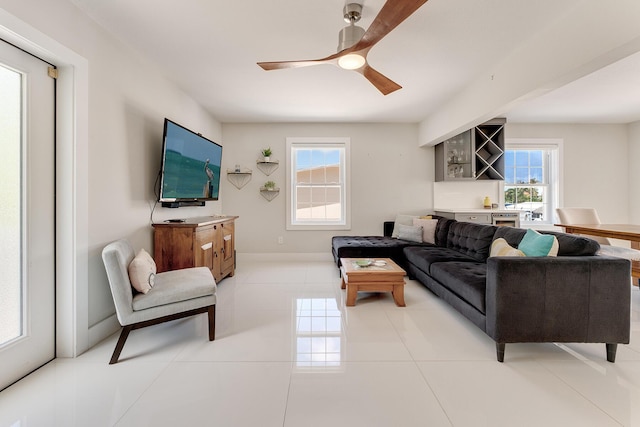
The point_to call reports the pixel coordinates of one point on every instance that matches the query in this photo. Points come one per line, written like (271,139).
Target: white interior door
(27,214)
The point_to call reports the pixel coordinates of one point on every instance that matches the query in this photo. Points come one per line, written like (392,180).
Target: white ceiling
(210,49)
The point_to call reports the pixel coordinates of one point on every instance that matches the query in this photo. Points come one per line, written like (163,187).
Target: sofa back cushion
(442,230)
(568,244)
(473,240)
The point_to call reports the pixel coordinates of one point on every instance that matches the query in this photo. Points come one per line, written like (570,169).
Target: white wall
(634,172)
(595,165)
(597,170)
(128,100)
(390,174)
(465,195)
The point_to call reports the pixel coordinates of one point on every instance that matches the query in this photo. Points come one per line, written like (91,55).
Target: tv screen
(190,166)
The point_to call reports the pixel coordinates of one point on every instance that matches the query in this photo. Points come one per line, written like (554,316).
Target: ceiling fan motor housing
(352,34)
(349,36)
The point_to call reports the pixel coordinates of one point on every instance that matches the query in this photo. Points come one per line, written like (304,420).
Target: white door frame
(72,136)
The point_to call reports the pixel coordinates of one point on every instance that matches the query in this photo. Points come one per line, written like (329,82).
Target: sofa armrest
(558,299)
(387,228)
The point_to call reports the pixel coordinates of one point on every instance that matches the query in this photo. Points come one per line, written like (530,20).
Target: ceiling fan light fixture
(352,61)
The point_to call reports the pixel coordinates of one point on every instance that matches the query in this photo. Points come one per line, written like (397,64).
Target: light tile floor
(289,353)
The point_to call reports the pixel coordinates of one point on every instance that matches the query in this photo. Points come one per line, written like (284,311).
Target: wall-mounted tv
(190,170)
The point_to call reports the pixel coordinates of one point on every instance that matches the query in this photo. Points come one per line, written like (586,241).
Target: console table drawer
(473,217)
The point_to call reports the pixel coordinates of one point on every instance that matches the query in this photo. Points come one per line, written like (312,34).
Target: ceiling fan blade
(392,14)
(281,65)
(380,81)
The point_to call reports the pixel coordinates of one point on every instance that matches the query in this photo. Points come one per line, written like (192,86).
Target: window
(531,182)
(317,184)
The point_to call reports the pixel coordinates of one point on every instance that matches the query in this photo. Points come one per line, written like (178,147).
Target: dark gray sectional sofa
(577,296)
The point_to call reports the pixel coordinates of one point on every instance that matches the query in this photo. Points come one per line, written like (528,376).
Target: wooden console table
(207,241)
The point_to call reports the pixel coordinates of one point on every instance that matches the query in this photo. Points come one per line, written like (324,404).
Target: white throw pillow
(142,272)
(401,220)
(428,229)
(500,247)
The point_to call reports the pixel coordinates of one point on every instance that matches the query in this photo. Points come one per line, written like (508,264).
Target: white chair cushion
(620,252)
(175,286)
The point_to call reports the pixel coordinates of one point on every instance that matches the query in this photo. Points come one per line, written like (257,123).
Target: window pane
(304,176)
(333,195)
(522,158)
(531,200)
(510,175)
(509,159)
(318,196)
(303,158)
(535,158)
(303,195)
(318,175)
(535,176)
(522,175)
(317,157)
(10,209)
(333,157)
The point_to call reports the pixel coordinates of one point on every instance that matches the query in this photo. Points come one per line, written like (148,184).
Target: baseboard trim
(298,257)
(103,329)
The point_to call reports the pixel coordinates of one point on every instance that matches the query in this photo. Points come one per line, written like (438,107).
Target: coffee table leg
(352,294)
(398,295)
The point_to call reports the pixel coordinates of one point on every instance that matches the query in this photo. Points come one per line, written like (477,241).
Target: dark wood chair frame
(210,310)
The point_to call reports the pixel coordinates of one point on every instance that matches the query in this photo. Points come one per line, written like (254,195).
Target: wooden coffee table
(374,278)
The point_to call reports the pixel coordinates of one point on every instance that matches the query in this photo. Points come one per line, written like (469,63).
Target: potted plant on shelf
(266,154)
(270,186)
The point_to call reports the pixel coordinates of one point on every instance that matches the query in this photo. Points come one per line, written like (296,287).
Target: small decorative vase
(266,158)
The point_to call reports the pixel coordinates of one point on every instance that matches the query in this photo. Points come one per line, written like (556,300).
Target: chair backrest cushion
(116,257)
(577,216)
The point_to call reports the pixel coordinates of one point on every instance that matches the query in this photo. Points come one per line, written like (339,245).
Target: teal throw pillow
(536,244)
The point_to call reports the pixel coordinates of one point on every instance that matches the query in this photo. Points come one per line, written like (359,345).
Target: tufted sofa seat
(577,296)
(370,247)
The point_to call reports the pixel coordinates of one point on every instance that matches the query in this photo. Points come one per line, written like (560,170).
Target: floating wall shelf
(269,167)
(239,179)
(269,194)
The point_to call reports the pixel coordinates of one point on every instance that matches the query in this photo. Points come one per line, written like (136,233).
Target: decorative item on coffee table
(372,275)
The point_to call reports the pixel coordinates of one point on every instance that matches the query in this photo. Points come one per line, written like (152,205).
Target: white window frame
(553,173)
(342,143)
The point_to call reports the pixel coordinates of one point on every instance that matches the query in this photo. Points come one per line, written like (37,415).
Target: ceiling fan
(355,43)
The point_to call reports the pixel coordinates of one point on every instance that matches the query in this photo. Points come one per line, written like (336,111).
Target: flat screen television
(190,170)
